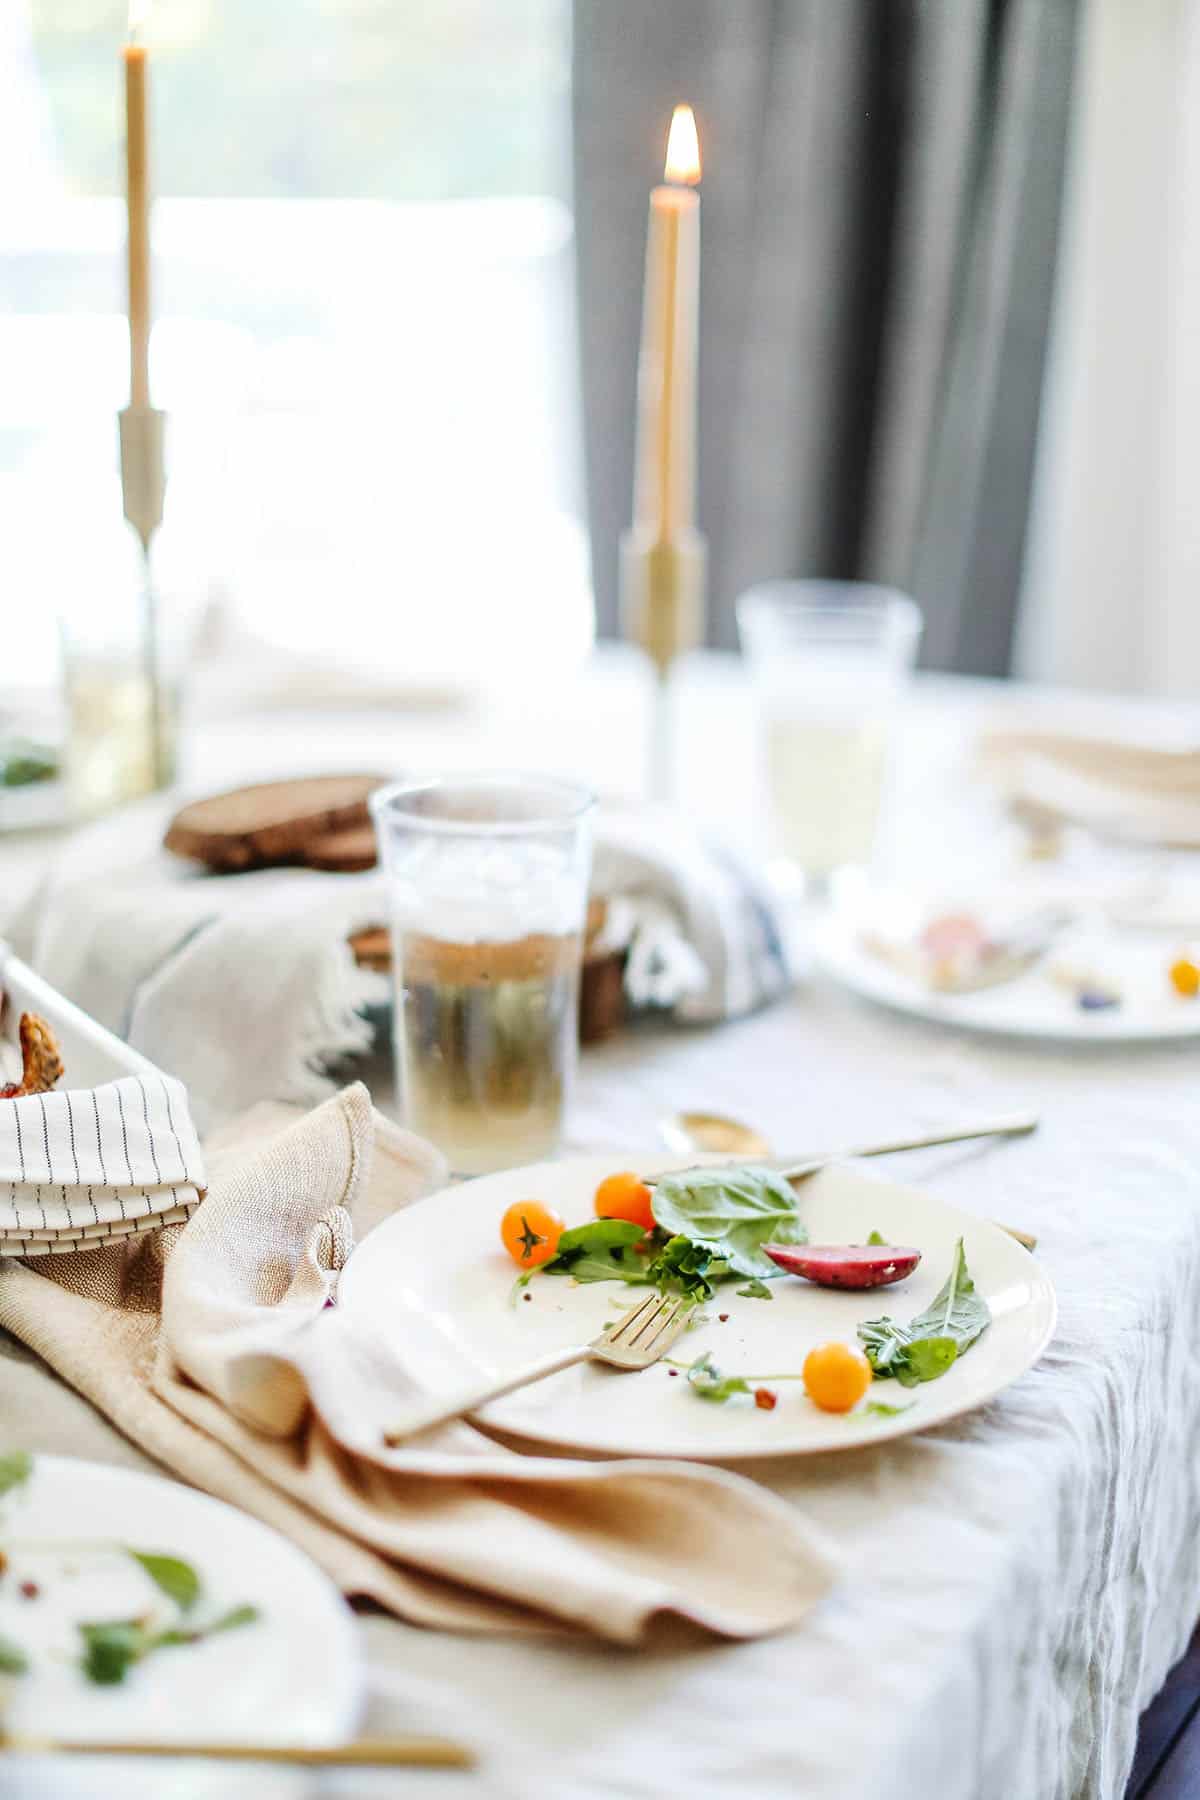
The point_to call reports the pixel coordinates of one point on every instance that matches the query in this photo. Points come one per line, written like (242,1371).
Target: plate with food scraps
(1038,971)
(461,1301)
(135,1608)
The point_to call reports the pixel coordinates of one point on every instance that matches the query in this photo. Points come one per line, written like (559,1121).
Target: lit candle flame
(138,12)
(683,148)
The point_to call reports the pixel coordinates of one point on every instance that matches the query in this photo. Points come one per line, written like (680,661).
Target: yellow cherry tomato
(1185,977)
(836,1376)
(625,1196)
(530,1232)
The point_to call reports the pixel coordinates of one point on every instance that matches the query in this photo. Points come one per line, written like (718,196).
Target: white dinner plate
(293,1676)
(442,1264)
(1032,1005)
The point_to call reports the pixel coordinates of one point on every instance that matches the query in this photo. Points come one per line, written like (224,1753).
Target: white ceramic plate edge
(497,1423)
(835,950)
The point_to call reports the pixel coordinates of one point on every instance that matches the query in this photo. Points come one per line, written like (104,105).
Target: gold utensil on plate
(634,1341)
(688,1132)
(384,1752)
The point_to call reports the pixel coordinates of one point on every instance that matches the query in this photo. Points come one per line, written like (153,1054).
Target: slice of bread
(343,852)
(272,822)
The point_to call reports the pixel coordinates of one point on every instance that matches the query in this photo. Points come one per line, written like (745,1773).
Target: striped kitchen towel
(80,1167)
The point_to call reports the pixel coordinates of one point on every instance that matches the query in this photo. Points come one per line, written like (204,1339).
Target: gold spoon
(689,1132)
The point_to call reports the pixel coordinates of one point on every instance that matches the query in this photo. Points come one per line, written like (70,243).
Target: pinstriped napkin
(89,1164)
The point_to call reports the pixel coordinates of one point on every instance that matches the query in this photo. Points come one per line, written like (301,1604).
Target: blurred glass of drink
(487,880)
(830,661)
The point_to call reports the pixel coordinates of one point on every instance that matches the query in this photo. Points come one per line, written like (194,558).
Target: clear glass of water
(487,879)
(830,660)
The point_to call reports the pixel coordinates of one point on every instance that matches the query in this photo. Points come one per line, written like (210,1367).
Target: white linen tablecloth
(1018,1582)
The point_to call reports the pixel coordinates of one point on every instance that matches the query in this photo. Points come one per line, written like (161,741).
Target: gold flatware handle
(1010,1125)
(383,1752)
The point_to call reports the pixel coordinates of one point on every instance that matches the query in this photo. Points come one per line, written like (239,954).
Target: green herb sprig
(924,1349)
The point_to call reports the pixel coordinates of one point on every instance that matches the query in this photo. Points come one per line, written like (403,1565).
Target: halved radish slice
(846,1265)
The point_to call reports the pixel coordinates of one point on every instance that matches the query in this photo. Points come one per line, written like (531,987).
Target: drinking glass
(830,660)
(487,879)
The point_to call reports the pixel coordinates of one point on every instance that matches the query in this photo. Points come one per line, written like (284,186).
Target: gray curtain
(881,201)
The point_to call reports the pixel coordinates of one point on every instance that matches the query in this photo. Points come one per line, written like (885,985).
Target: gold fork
(634,1341)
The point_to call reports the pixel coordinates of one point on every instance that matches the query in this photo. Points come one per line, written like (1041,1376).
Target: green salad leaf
(13,1660)
(174,1577)
(877,1237)
(879,1409)
(111,1647)
(692,1269)
(602,1250)
(732,1213)
(936,1338)
(196,1634)
(755,1290)
(708,1382)
(16,1466)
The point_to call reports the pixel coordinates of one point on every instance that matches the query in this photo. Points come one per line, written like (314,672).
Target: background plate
(440,1265)
(1032,1006)
(292,1677)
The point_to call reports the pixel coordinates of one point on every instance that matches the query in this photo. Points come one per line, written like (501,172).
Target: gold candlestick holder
(662,611)
(120,725)
(143,490)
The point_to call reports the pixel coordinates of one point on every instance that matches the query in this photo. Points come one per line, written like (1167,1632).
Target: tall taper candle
(137,196)
(662,557)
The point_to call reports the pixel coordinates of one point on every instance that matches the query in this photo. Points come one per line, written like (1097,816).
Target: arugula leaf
(16,1466)
(692,1268)
(600,1251)
(924,1349)
(175,1578)
(708,1382)
(755,1290)
(13,1660)
(731,1212)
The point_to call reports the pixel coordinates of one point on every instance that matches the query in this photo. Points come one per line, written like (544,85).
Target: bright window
(364,304)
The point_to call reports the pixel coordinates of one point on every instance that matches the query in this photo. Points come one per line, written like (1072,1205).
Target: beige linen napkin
(211,1345)
(1137,793)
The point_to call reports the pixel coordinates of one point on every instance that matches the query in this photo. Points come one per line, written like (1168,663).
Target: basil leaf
(732,1212)
(755,1290)
(936,1338)
(600,1251)
(708,1382)
(13,1660)
(175,1578)
(16,1466)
